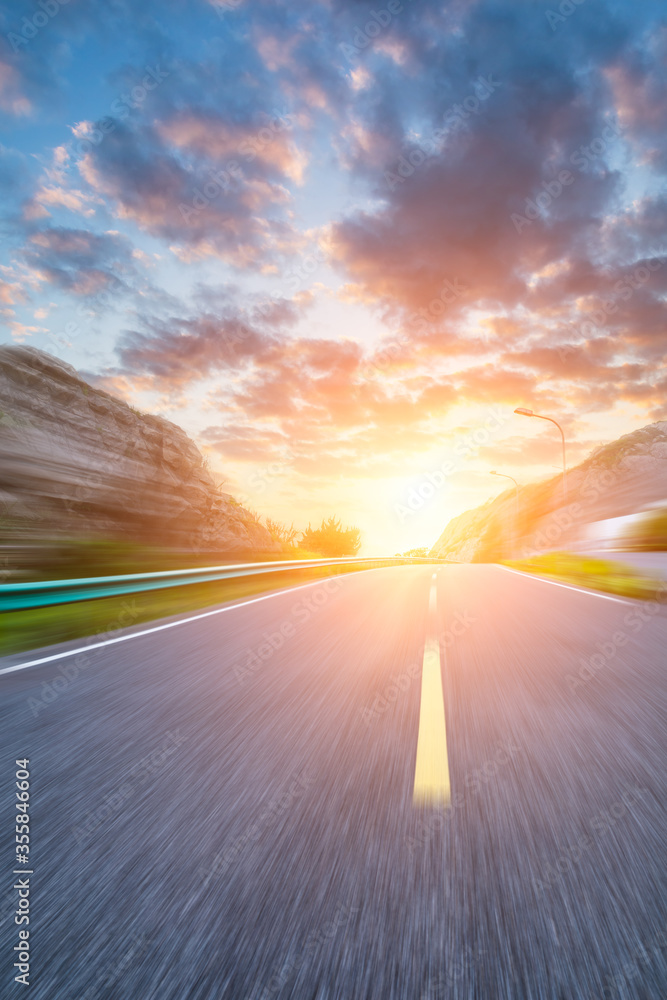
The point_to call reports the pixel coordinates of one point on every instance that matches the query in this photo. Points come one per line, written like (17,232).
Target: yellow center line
(432,770)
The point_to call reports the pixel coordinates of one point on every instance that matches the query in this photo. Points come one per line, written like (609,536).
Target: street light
(516,504)
(522,411)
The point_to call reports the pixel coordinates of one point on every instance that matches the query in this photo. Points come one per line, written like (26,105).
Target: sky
(339,242)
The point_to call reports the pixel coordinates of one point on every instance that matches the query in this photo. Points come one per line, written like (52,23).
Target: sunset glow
(331,254)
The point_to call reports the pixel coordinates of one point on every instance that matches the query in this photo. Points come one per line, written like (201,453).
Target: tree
(282,534)
(417,553)
(331,539)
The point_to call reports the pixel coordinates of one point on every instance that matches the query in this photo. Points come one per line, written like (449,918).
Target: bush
(280,532)
(331,539)
(286,537)
(597,574)
(648,533)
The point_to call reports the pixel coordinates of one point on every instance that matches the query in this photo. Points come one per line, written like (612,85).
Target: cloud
(12,99)
(11,292)
(304,396)
(410,150)
(54,196)
(222,335)
(230,209)
(444,200)
(78,261)
(266,142)
(40,44)
(640,93)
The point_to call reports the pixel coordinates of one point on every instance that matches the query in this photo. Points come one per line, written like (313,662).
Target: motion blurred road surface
(224,809)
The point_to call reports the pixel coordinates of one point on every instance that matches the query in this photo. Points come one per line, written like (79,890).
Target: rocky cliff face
(620,478)
(75,461)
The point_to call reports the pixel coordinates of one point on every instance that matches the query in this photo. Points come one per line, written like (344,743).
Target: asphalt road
(206,829)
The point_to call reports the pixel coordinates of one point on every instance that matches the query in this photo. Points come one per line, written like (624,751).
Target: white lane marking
(183,621)
(568,586)
(432,786)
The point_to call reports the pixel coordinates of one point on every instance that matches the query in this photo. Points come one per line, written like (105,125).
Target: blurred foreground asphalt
(217,818)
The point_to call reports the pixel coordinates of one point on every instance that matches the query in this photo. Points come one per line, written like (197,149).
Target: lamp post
(516,505)
(522,411)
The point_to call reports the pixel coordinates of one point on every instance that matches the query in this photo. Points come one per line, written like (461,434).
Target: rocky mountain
(619,478)
(77,462)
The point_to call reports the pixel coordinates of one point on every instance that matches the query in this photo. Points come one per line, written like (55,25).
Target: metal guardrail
(44,593)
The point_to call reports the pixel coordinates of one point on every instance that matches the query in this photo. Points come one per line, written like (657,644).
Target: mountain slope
(617,479)
(77,462)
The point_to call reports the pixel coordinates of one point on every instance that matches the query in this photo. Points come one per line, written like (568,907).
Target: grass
(37,627)
(596,574)
(74,558)
(649,532)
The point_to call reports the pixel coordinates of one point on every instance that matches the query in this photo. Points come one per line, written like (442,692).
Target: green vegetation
(94,557)
(87,557)
(286,537)
(6,520)
(25,630)
(649,532)
(331,539)
(596,574)
(417,553)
